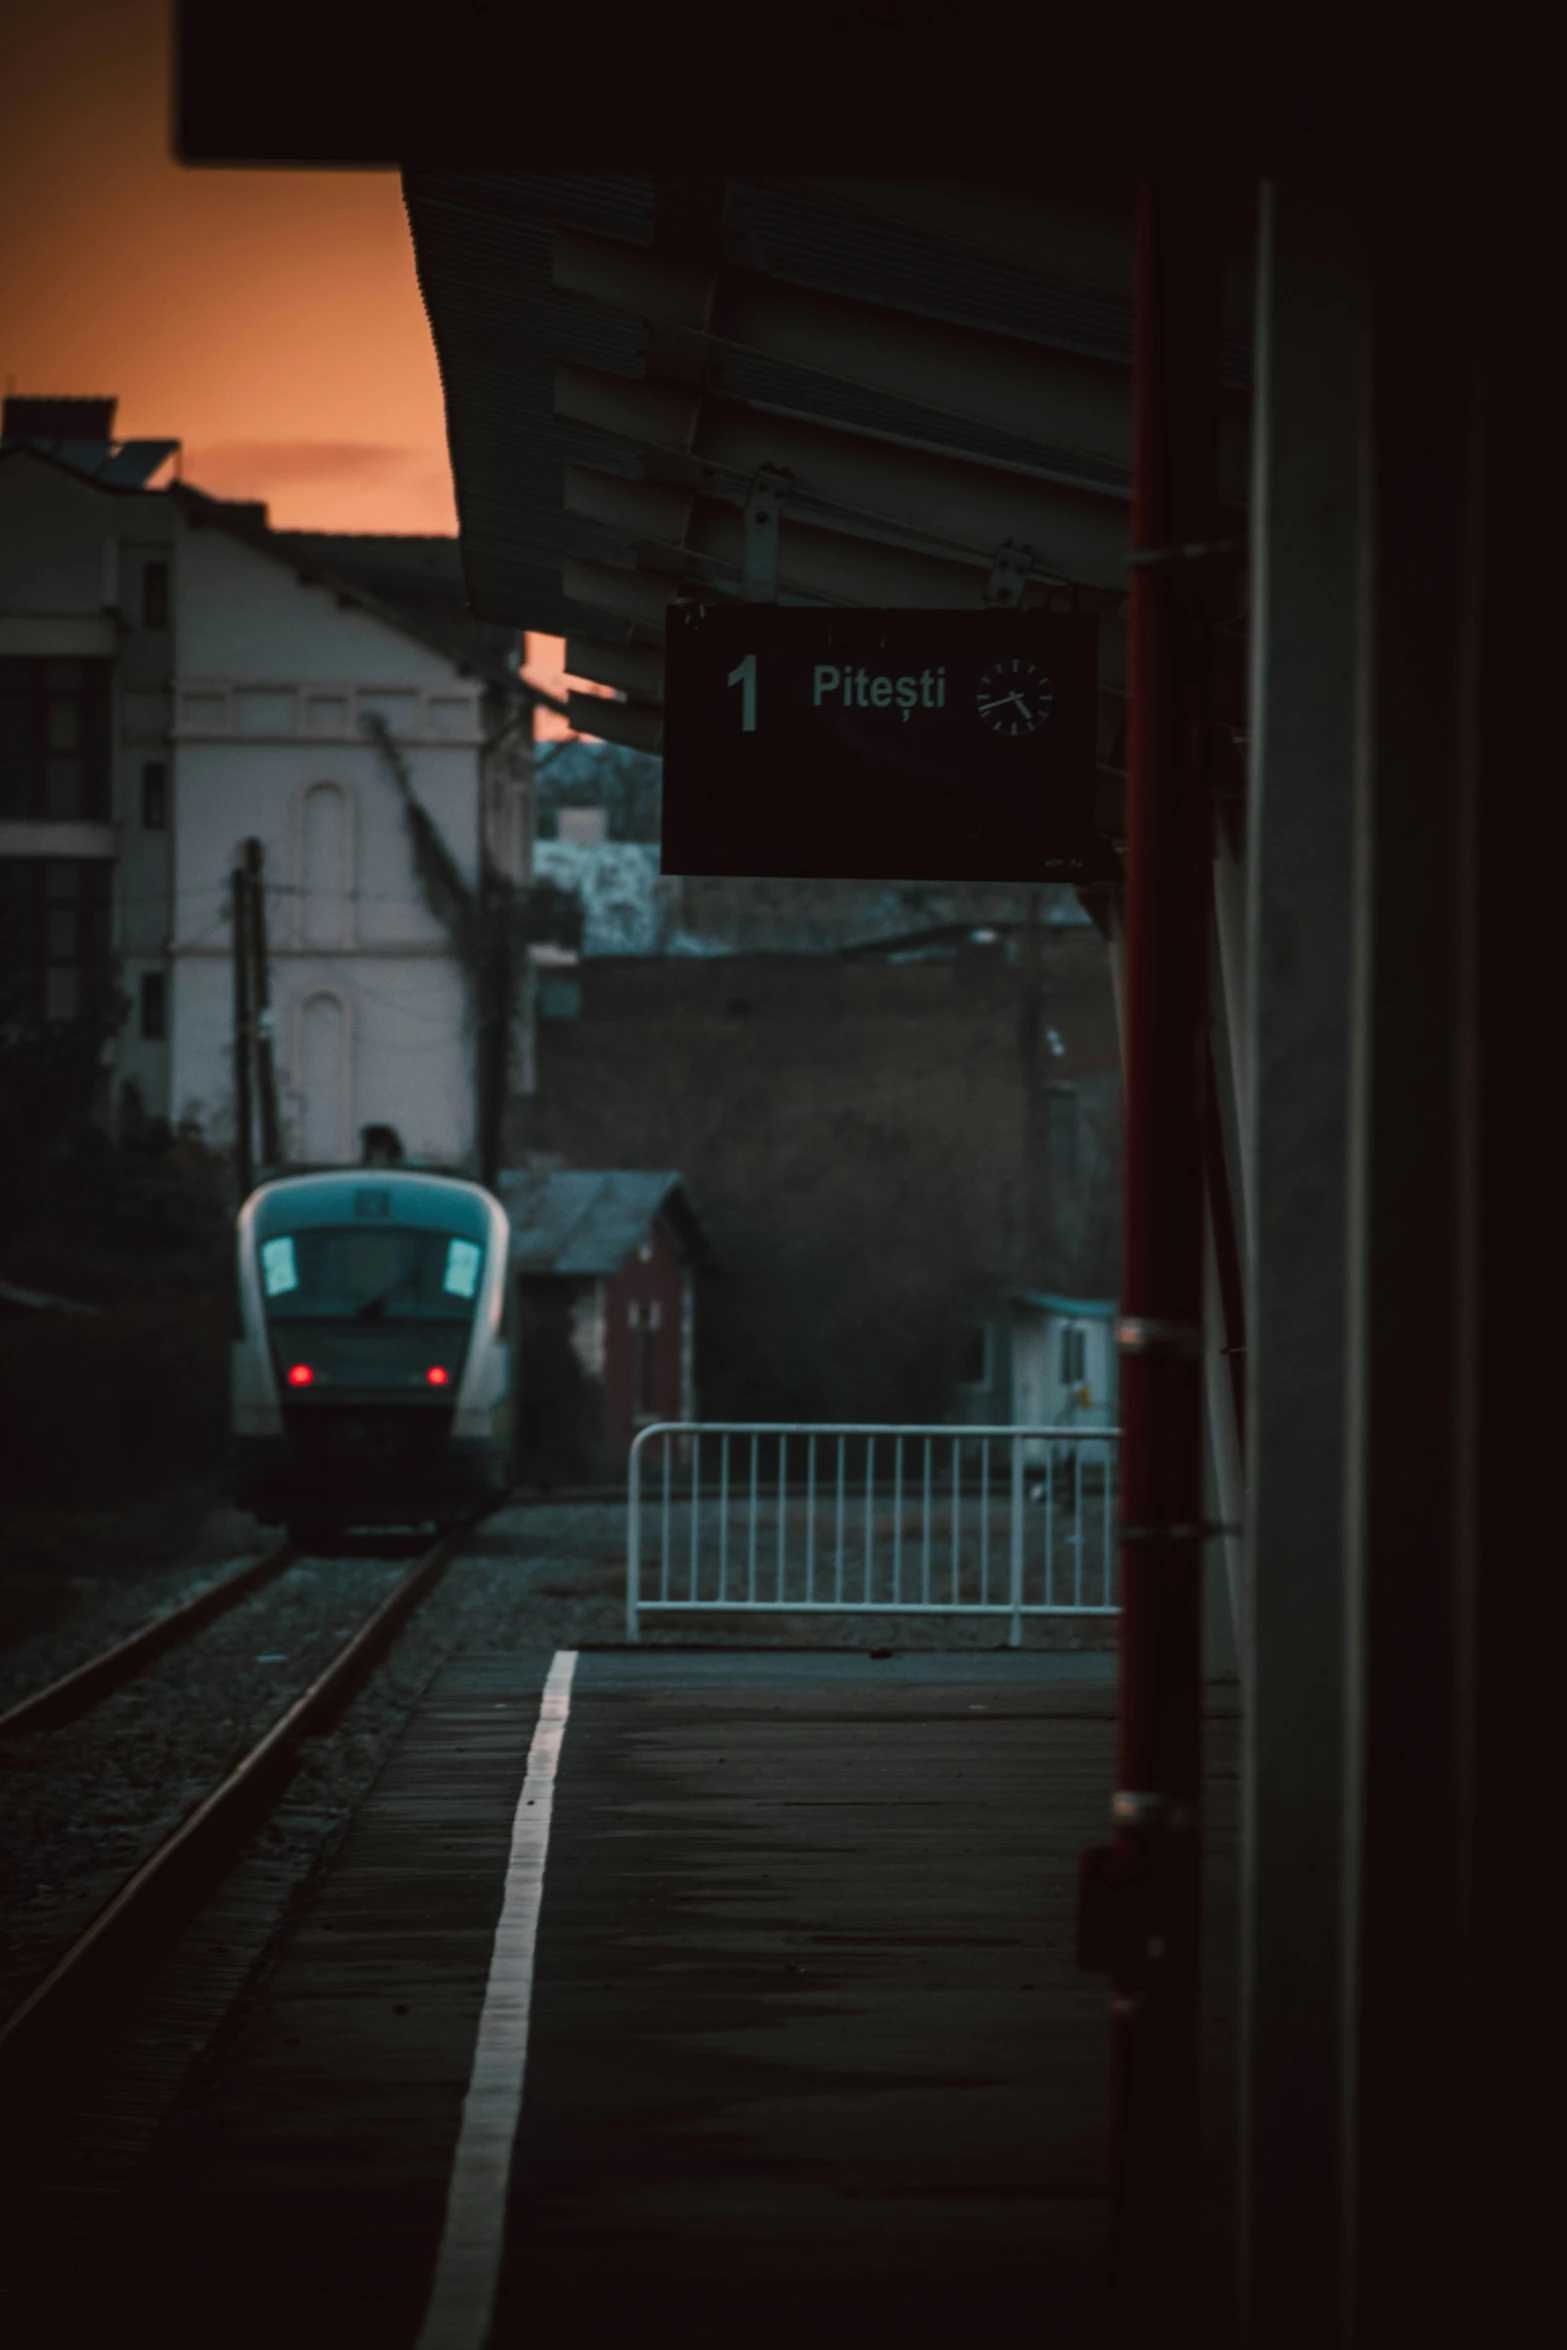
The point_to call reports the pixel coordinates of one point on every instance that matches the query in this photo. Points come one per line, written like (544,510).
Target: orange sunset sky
(268,320)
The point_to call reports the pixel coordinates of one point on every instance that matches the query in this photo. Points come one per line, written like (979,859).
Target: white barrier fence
(870,1519)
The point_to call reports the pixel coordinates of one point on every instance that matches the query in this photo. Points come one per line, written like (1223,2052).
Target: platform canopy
(929,382)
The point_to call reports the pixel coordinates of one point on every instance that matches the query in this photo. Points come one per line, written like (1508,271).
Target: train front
(371,1377)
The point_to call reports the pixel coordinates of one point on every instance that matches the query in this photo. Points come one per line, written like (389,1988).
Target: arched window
(322,1079)
(325,867)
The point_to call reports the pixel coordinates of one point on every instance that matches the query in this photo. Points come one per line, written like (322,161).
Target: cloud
(258,469)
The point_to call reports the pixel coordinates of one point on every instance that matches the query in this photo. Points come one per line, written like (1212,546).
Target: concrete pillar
(1411,2220)
(1308,527)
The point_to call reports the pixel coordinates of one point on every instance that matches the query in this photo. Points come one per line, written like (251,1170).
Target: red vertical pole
(1155,1960)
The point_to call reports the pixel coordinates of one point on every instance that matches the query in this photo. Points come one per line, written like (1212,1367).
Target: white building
(177,679)
(1043,1361)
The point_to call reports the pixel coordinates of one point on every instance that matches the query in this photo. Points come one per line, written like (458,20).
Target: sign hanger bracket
(763,519)
(1009,576)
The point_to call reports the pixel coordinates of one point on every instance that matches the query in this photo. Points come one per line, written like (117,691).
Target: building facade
(882,1143)
(176,680)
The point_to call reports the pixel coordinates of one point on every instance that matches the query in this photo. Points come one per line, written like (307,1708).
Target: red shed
(604,1262)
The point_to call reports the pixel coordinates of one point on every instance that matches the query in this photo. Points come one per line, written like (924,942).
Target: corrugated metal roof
(809,240)
(774,383)
(585,1221)
(484,247)
(483,243)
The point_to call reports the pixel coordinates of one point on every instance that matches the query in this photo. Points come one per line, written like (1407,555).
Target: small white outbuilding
(1041,1360)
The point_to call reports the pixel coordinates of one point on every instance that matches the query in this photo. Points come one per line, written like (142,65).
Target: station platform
(809,2058)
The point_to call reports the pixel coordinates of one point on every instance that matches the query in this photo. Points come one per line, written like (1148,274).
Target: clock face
(1015,696)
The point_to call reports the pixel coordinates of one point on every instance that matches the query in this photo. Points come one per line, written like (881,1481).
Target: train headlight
(300,1374)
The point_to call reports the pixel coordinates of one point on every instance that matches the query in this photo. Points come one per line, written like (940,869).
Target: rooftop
(588,1220)
(80,433)
(420,577)
(414,583)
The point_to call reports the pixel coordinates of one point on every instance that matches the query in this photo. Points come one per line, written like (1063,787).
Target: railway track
(71,2009)
(74,1692)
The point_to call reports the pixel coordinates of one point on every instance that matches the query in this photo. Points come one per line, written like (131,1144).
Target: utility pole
(261,988)
(493,1038)
(239,907)
(489,1042)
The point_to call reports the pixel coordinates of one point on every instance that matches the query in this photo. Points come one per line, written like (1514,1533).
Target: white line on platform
(467,2268)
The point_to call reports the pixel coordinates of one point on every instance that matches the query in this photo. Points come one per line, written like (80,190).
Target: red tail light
(300,1375)
(437,1376)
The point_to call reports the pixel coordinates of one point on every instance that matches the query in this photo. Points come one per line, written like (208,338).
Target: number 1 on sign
(745,678)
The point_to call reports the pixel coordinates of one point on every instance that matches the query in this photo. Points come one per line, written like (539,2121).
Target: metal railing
(870,1518)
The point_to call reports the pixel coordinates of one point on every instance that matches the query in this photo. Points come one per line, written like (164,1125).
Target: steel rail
(76,1995)
(74,1692)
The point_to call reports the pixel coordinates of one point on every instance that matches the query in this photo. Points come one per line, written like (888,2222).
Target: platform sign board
(857,745)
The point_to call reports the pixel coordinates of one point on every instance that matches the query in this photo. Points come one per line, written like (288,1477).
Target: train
(371,1375)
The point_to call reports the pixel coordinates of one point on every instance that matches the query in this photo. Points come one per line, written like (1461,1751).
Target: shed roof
(588,1220)
(1076,1309)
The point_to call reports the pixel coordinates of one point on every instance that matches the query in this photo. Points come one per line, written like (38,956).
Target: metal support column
(1154,1952)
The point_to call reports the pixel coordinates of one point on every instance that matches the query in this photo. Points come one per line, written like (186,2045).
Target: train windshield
(353,1275)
